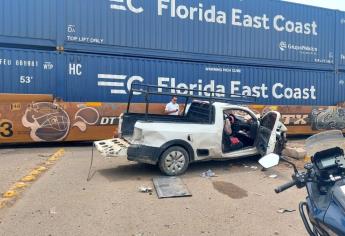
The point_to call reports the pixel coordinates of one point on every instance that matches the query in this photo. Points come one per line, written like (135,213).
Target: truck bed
(198,113)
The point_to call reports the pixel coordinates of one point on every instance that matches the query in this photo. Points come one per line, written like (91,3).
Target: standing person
(172,108)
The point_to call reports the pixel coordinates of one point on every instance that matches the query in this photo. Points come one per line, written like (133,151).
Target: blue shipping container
(30,22)
(109,78)
(265,32)
(341,41)
(28,71)
(78,77)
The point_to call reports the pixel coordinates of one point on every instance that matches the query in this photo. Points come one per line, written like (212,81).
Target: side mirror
(269,160)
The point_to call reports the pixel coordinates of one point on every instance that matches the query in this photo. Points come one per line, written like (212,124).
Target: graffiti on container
(109,121)
(6,129)
(50,122)
(86,116)
(296,119)
(16,107)
(331,118)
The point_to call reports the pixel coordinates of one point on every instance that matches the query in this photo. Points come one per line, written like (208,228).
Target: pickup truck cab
(174,142)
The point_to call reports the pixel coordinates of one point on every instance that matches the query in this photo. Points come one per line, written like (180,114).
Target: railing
(147,90)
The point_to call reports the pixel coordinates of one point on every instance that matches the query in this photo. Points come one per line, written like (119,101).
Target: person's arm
(227,127)
(167,110)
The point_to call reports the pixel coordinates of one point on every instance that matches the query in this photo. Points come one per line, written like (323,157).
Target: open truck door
(267,136)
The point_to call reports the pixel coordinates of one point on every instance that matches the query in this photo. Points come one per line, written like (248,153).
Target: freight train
(66,67)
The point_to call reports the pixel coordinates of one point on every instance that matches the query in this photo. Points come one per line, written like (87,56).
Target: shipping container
(267,32)
(109,78)
(30,23)
(341,40)
(271,33)
(28,71)
(77,77)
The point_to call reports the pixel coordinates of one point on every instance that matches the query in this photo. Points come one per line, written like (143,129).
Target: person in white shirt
(172,108)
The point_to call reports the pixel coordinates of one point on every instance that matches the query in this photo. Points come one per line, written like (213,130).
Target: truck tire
(174,161)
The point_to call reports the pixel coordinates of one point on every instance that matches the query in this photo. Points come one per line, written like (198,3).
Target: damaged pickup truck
(174,142)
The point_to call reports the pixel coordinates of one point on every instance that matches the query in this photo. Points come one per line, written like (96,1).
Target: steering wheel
(241,123)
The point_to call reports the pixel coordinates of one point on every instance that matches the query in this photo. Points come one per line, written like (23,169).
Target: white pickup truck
(174,142)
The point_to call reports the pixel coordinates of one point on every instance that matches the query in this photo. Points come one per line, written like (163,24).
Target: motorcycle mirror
(269,160)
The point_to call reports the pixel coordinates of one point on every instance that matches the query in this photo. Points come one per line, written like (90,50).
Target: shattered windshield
(324,141)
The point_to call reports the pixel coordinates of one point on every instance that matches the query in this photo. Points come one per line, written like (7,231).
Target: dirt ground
(239,201)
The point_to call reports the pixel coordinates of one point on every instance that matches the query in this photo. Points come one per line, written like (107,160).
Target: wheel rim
(175,161)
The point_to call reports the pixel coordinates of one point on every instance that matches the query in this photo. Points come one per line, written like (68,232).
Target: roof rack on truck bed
(148,91)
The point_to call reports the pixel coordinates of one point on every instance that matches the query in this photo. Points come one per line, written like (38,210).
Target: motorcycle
(323,212)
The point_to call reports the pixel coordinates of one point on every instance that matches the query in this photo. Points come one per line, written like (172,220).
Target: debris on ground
(273,176)
(254,167)
(257,194)
(208,174)
(169,187)
(144,189)
(52,211)
(295,152)
(282,211)
(169,225)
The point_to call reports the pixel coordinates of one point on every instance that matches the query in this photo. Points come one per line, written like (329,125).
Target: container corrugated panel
(341,39)
(238,31)
(108,79)
(27,71)
(29,22)
(340,88)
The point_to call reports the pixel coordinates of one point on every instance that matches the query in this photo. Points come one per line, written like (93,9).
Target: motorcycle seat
(339,195)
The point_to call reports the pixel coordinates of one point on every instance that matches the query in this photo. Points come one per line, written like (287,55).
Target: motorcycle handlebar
(285,186)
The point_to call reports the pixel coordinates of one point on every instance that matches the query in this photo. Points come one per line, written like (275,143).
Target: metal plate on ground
(169,187)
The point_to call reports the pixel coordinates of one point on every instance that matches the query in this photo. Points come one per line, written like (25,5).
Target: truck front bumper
(143,154)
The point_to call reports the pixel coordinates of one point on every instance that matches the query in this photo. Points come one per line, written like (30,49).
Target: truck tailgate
(112,147)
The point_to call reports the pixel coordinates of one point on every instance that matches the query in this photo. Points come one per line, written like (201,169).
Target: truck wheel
(174,161)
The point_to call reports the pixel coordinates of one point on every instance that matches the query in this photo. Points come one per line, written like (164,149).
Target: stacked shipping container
(93,51)
(108,78)
(177,34)
(275,34)
(271,33)
(189,41)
